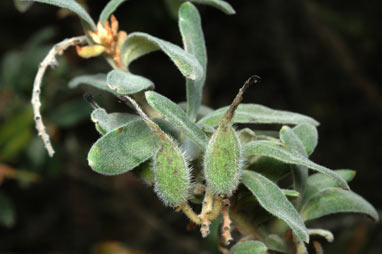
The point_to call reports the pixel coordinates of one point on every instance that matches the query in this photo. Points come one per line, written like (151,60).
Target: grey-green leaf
(270,168)
(300,173)
(308,135)
(178,117)
(218,4)
(286,154)
(123,149)
(71,5)
(139,44)
(193,42)
(336,200)
(319,182)
(272,199)
(108,122)
(127,83)
(111,6)
(254,113)
(95,80)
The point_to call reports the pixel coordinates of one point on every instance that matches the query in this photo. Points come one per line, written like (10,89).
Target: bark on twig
(49,60)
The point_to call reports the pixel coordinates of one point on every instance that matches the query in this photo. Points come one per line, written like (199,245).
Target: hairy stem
(49,60)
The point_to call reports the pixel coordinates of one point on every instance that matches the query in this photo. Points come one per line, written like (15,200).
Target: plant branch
(226,227)
(206,210)
(49,60)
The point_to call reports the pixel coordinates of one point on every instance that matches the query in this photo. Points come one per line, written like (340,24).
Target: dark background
(319,58)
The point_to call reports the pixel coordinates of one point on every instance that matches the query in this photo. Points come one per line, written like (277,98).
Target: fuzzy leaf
(319,182)
(178,117)
(111,6)
(70,5)
(286,154)
(123,149)
(139,44)
(7,211)
(127,83)
(300,173)
(308,135)
(203,110)
(108,122)
(253,113)
(95,80)
(336,200)
(218,4)
(272,199)
(270,168)
(193,42)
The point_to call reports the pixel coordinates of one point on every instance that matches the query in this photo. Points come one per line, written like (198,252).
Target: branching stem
(49,60)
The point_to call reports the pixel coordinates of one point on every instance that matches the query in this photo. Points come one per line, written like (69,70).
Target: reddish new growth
(107,40)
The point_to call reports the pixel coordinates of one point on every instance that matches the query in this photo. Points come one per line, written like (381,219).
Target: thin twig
(226,228)
(49,60)
(187,210)
(206,210)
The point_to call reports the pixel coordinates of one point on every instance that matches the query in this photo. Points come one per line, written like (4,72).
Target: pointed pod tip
(254,79)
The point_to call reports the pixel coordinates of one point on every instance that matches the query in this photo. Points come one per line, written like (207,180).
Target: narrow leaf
(300,173)
(139,44)
(111,6)
(308,135)
(108,122)
(123,149)
(319,182)
(254,113)
(286,154)
(203,110)
(336,200)
(178,117)
(249,247)
(270,168)
(127,83)
(95,80)
(218,4)
(193,42)
(70,5)
(272,199)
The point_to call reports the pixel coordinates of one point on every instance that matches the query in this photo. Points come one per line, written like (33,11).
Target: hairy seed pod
(222,161)
(172,177)
(171,174)
(223,157)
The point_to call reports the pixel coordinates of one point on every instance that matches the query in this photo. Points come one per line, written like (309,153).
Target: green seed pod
(172,176)
(223,159)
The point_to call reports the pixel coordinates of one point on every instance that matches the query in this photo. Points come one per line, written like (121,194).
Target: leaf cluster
(196,152)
